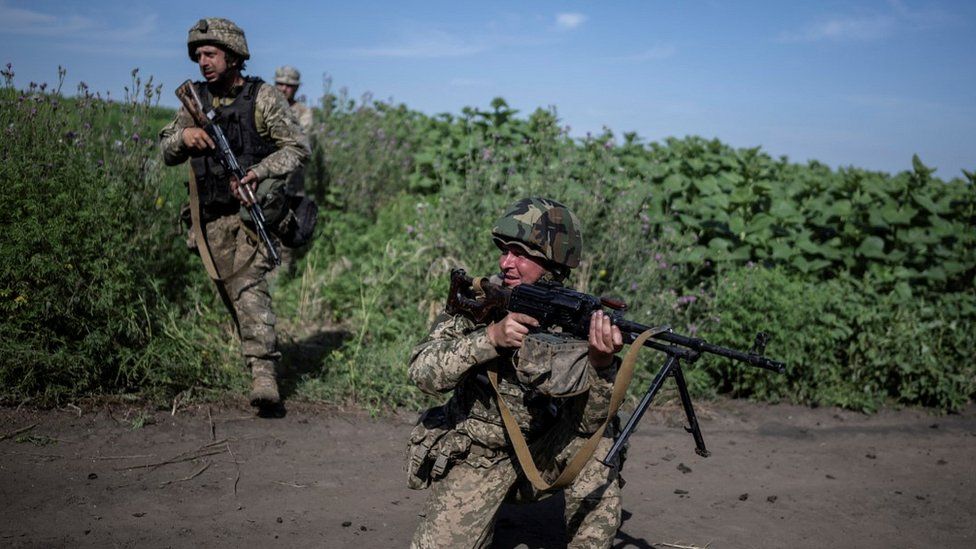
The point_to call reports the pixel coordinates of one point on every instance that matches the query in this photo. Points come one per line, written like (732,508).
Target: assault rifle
(187,93)
(554,305)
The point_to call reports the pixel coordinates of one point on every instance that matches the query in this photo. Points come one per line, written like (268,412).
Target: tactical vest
(237,122)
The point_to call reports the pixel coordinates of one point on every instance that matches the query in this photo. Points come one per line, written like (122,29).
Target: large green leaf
(707,185)
(808,266)
(931,206)
(719,243)
(737,224)
(875,219)
(782,250)
(935,273)
(674,183)
(718,201)
(783,209)
(872,247)
(841,208)
(760,222)
(894,215)
(742,195)
(695,254)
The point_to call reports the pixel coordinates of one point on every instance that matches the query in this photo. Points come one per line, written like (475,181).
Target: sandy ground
(209,476)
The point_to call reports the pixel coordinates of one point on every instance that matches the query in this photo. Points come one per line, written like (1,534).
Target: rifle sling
(566,477)
(199,234)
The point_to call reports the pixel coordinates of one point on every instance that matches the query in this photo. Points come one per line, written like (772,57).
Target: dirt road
(779,476)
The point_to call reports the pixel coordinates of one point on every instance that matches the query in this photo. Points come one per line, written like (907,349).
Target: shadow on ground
(300,357)
(541,525)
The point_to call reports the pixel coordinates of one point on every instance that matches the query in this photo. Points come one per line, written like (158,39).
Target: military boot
(264,388)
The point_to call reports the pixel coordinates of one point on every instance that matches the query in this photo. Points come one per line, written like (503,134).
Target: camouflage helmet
(288,75)
(219,32)
(543,228)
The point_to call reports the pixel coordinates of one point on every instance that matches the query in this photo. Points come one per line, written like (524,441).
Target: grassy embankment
(864,280)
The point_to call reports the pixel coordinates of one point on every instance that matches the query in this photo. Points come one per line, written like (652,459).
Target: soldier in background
(558,389)
(288,80)
(268,143)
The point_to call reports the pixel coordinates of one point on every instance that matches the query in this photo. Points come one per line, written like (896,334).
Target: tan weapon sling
(199,234)
(522,452)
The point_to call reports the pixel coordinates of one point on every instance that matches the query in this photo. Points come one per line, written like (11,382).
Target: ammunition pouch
(273,201)
(553,364)
(291,218)
(433,447)
(298,226)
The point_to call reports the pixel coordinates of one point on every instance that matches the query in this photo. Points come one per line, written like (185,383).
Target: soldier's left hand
(605,340)
(251,182)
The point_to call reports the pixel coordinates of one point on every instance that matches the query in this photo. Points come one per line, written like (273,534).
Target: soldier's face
(287,90)
(519,268)
(212,62)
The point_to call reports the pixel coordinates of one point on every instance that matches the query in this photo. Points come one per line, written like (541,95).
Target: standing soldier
(287,80)
(269,145)
(557,389)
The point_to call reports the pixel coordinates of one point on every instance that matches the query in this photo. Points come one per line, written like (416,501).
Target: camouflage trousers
(462,506)
(245,294)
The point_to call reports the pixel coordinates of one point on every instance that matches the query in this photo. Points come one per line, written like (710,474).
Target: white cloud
(844,29)
(131,38)
(16,17)
(569,21)
(30,22)
(870,27)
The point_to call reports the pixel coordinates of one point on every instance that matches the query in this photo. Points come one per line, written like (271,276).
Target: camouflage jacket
(303,113)
(455,357)
(275,121)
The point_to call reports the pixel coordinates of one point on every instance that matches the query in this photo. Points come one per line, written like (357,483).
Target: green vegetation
(864,280)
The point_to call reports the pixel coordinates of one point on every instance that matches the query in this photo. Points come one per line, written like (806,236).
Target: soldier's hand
(197,139)
(511,330)
(250,181)
(605,340)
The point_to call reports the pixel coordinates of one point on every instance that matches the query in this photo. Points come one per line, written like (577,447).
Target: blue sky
(862,83)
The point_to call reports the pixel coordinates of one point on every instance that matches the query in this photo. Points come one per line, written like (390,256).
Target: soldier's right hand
(197,139)
(511,330)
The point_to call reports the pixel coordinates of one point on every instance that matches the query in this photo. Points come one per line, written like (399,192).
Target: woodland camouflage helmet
(288,75)
(219,32)
(543,228)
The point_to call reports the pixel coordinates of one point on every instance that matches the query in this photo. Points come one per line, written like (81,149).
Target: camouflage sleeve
(171,139)
(453,346)
(597,404)
(275,121)
(305,119)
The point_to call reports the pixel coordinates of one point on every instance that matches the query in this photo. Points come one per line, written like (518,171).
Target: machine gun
(187,93)
(555,305)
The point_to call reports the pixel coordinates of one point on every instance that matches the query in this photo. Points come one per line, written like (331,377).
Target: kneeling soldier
(557,389)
